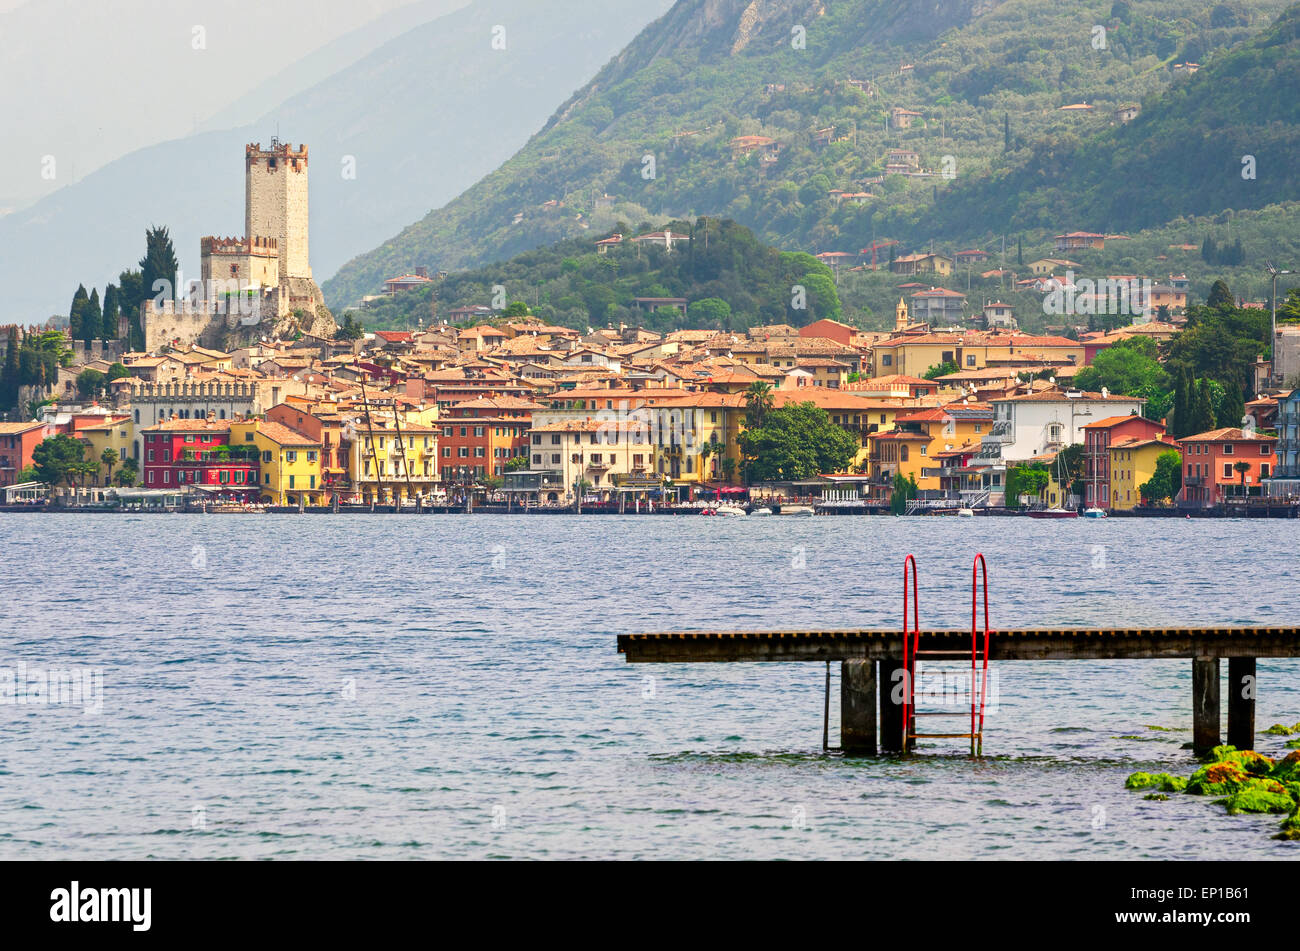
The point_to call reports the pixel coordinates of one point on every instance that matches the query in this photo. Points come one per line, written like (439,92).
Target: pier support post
(858,706)
(1205,704)
(891,712)
(1241,702)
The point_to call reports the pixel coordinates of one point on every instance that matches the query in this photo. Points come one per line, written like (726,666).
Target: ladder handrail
(911,644)
(978,568)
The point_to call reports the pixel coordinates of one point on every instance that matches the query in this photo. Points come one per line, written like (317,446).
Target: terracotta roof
(1227,435)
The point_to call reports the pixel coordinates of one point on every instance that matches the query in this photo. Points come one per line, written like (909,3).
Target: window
(446,452)
(886,359)
(478,430)
(1227,448)
(555,458)
(537,460)
(478,452)
(970,359)
(464,431)
(1227,470)
(464,452)
(1264,449)
(311,455)
(446,431)
(1264,470)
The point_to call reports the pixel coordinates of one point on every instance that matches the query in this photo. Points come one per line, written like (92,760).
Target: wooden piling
(858,706)
(891,706)
(1205,704)
(1241,702)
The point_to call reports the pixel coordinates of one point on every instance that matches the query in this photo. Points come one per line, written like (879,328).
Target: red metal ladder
(979,660)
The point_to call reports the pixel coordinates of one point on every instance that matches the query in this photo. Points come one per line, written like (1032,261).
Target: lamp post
(1274,271)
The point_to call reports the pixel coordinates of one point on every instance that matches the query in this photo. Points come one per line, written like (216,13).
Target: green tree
(516,309)
(92,319)
(1231,407)
(1028,479)
(1241,467)
(1129,368)
(712,312)
(60,458)
(1166,481)
(903,490)
(108,459)
(1202,420)
(90,384)
(129,474)
(941,369)
(822,299)
(758,404)
(9,377)
(797,441)
(158,267)
(112,312)
(77,312)
(1220,296)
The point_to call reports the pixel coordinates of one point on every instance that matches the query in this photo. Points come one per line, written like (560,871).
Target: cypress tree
(112,311)
(1233,406)
(9,376)
(158,264)
(76,312)
(1178,414)
(1220,295)
(1204,418)
(92,319)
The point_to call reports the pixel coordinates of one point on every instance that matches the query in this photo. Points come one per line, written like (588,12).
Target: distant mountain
(1225,137)
(660,128)
(420,119)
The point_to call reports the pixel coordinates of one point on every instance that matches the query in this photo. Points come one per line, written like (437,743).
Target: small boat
(801,510)
(965,513)
(1054,513)
(761,510)
(729,509)
(1094,513)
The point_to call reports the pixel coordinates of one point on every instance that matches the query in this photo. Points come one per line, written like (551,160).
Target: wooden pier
(872,660)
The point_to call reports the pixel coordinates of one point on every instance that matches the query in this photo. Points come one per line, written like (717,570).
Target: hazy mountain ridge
(420,119)
(679,94)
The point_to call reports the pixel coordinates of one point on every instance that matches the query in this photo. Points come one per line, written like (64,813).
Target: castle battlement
(260,247)
(191,390)
(254,153)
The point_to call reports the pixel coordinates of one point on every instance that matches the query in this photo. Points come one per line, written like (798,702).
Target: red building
(1098,437)
(480,436)
(181,452)
(1224,463)
(17,440)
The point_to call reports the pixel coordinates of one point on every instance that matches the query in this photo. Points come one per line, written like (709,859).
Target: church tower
(275,192)
(901,320)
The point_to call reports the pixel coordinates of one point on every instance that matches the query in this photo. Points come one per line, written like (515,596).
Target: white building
(1034,424)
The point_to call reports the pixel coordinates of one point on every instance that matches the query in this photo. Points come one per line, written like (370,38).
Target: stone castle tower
(257,285)
(275,195)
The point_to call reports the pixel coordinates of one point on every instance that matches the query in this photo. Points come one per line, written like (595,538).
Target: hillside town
(516,414)
(243,393)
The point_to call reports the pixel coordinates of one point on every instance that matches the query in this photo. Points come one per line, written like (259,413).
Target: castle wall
(247,262)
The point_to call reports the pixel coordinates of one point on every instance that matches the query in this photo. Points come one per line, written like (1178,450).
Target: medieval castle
(259,285)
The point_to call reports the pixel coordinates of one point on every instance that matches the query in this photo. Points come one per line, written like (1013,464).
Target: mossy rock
(1278,729)
(1218,779)
(1156,797)
(1254,763)
(1165,782)
(1290,828)
(1292,744)
(1258,800)
(1287,769)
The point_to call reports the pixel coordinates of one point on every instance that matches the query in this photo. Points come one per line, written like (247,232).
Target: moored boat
(1054,513)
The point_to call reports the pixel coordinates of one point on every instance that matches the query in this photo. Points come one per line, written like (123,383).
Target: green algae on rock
(1287,769)
(1156,797)
(1163,781)
(1258,800)
(1278,729)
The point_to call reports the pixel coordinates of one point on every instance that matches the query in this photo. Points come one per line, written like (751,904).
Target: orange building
(1223,463)
(480,436)
(1098,438)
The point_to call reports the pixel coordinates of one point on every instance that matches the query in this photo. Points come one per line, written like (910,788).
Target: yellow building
(116,433)
(599,452)
(289,461)
(943,428)
(394,459)
(1132,464)
(683,425)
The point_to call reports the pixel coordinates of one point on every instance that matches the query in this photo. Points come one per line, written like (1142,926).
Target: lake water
(448,686)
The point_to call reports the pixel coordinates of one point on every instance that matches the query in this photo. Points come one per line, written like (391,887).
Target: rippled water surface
(448,686)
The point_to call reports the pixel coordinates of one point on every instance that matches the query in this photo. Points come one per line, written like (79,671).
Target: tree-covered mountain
(730,278)
(1222,138)
(660,129)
